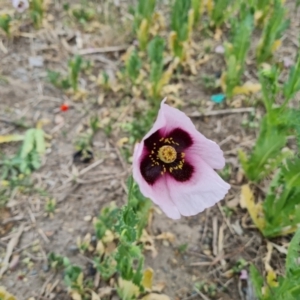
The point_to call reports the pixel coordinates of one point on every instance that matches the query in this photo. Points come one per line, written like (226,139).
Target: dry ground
(28,95)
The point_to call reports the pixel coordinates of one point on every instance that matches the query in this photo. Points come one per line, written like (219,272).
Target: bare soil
(28,96)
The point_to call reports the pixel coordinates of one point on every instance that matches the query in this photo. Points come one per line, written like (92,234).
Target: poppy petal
(157,192)
(182,138)
(203,190)
(151,172)
(182,174)
(207,149)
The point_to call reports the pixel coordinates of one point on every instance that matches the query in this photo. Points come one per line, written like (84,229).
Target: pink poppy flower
(20,5)
(174,166)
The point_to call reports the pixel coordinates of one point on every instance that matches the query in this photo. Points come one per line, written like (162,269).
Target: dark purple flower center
(164,155)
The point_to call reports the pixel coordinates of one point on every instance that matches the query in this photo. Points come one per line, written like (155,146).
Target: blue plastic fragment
(218,98)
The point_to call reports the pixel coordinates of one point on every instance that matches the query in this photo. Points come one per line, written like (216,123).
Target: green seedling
(292,85)
(56,79)
(269,80)
(279,122)
(140,125)
(106,220)
(50,206)
(37,12)
(272,32)
(83,14)
(76,65)
(73,278)
(220,10)
(227,211)
(226,172)
(84,244)
(13,183)
(197,6)
(133,66)
(143,20)
(286,287)
(32,149)
(181,25)
(261,9)
(5,23)
(236,51)
(209,289)
(58,262)
(209,82)
(106,267)
(267,154)
(84,142)
(282,199)
(183,247)
(155,54)
(104,81)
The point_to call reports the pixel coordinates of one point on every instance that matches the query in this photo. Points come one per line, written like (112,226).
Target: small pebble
(33,273)
(73,249)
(87,218)
(45,268)
(36,61)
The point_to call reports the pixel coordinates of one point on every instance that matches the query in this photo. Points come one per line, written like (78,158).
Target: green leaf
(267,153)
(292,85)
(29,142)
(292,173)
(5,21)
(40,141)
(179,18)
(273,30)
(257,281)
(292,260)
(133,65)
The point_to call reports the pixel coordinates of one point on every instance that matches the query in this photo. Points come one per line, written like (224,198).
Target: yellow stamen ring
(167,154)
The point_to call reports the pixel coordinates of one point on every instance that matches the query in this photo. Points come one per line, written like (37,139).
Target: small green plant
(127,224)
(76,65)
(183,247)
(209,82)
(56,79)
(28,158)
(267,154)
(5,23)
(84,142)
(208,288)
(278,122)
(106,220)
(133,66)
(32,149)
(155,54)
(281,201)
(261,9)
(58,262)
(197,9)
(220,10)
(272,32)
(292,85)
(286,287)
(143,20)
(83,14)
(236,51)
(74,280)
(50,206)
(139,125)
(37,12)
(181,25)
